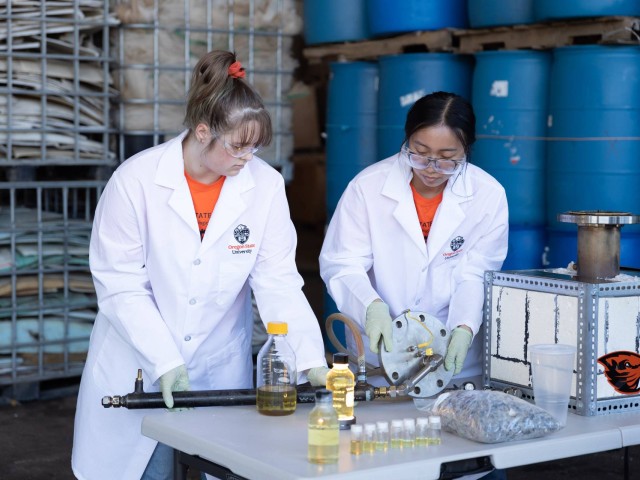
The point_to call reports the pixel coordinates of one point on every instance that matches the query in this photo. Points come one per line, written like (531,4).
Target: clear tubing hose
(355,330)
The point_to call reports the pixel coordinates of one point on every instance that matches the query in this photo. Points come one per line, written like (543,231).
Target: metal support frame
(589,296)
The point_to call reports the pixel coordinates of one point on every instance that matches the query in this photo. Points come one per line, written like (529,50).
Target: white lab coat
(167,298)
(374,247)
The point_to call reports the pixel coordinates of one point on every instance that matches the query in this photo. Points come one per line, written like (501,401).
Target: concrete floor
(36,436)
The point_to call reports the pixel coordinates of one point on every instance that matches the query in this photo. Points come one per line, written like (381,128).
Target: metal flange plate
(413,332)
(598,217)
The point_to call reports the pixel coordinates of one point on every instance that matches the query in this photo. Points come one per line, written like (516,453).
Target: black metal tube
(138,399)
(197,398)
(202,398)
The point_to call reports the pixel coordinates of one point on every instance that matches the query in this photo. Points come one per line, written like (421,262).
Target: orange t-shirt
(426,208)
(204,198)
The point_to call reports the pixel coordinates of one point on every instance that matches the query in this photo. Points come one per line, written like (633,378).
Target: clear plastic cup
(552,373)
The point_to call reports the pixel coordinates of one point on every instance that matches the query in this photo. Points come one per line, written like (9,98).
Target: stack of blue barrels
(510,90)
(407,77)
(559,129)
(367,102)
(593,155)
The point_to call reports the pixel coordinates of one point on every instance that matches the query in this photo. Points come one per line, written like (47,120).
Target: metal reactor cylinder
(598,241)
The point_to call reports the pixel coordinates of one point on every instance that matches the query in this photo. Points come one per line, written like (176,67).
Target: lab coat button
(187,338)
(196,261)
(192,301)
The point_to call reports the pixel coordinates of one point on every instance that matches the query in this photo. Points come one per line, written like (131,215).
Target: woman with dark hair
(182,234)
(417,231)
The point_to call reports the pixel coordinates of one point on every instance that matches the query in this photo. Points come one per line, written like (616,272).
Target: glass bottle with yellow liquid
(341,381)
(323,430)
(276,373)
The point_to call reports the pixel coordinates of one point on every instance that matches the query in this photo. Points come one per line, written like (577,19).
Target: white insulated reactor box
(602,320)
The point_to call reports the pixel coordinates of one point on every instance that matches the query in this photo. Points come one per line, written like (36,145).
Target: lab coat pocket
(232,366)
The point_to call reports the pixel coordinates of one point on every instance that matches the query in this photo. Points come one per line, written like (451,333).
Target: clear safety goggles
(237,151)
(440,165)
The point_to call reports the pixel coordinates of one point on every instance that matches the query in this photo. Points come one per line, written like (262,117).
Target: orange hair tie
(236,70)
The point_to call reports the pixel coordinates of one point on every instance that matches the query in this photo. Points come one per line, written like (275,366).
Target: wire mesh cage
(84,84)
(159,42)
(56,102)
(55,83)
(47,299)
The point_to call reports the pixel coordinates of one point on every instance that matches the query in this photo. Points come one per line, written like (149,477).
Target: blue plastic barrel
(552,9)
(490,13)
(526,247)
(404,79)
(351,125)
(327,21)
(593,153)
(563,247)
(387,17)
(510,90)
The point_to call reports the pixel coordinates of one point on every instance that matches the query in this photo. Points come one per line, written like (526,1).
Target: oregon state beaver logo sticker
(622,369)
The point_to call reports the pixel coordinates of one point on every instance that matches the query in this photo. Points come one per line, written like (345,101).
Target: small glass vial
(356,440)
(397,433)
(422,432)
(409,439)
(341,381)
(369,440)
(435,426)
(323,430)
(382,436)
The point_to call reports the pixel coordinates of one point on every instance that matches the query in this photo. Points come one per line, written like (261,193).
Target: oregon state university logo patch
(456,243)
(241,234)
(622,369)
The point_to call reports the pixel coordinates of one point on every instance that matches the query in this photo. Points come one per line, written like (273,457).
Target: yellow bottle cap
(277,328)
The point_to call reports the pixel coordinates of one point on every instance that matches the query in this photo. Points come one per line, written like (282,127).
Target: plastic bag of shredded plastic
(492,417)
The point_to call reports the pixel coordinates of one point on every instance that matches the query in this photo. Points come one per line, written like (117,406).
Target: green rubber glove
(458,348)
(377,325)
(176,380)
(318,376)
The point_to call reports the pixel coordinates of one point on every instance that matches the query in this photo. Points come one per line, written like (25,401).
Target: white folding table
(253,446)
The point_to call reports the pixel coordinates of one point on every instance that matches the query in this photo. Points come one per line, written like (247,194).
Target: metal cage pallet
(157,48)
(47,299)
(56,84)
(84,84)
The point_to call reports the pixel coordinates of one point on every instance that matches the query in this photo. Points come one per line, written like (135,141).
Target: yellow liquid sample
(341,383)
(276,400)
(323,444)
(382,446)
(369,447)
(396,443)
(356,447)
(422,441)
(435,441)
